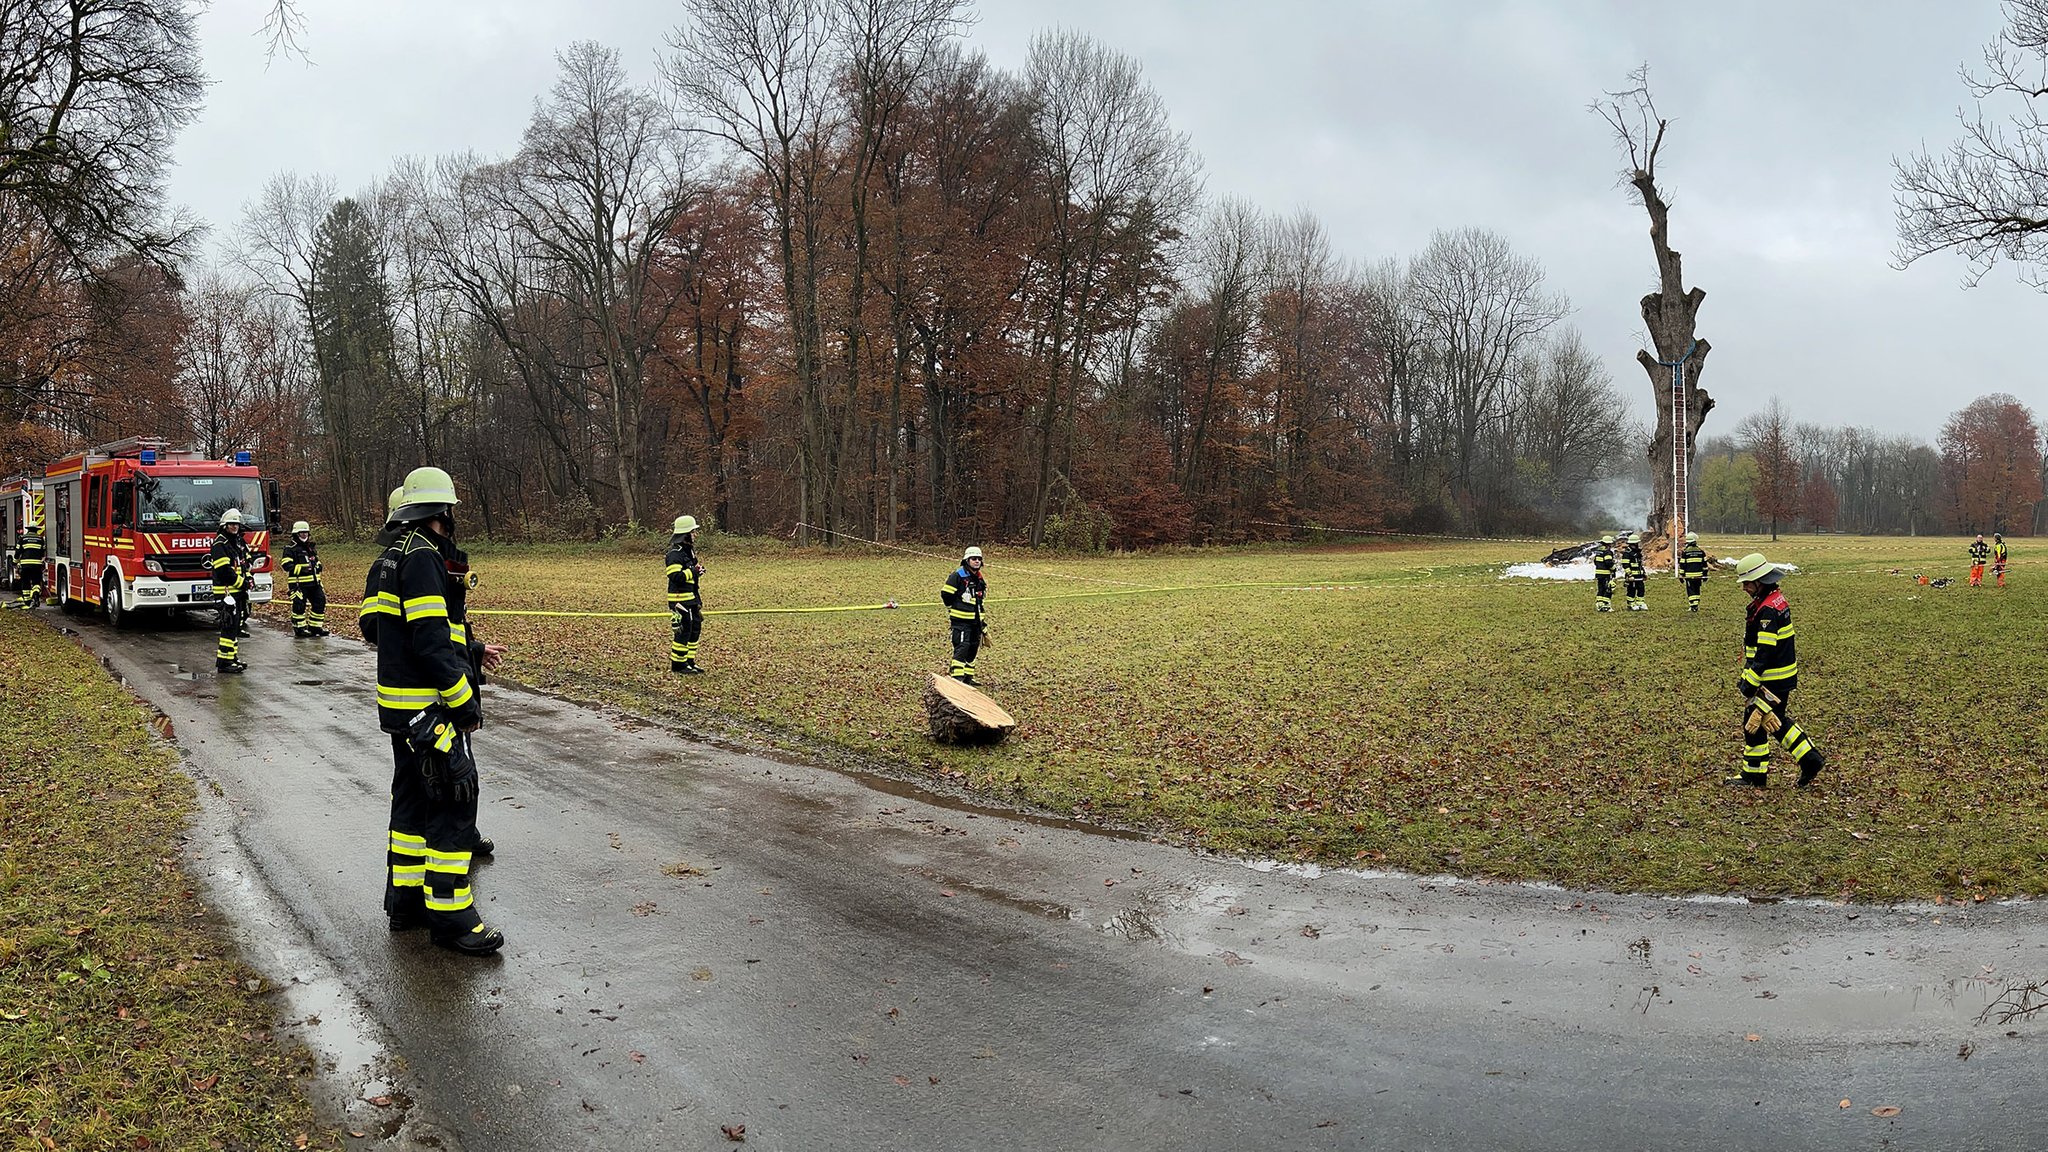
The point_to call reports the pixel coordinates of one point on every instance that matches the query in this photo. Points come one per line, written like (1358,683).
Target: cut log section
(963,714)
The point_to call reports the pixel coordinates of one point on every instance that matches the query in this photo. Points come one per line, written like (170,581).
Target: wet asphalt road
(702,939)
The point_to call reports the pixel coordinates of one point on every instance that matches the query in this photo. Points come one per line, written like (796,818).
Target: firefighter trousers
(1692,591)
(427,857)
(1976,573)
(1756,746)
(966,645)
(1636,590)
(31,585)
(234,607)
(1603,591)
(686,625)
(309,606)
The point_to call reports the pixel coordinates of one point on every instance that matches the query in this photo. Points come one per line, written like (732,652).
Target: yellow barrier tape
(1282,585)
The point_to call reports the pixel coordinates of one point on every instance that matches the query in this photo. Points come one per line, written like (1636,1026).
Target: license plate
(202,591)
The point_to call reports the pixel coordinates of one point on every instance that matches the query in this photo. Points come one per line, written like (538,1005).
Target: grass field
(125,1021)
(1395,706)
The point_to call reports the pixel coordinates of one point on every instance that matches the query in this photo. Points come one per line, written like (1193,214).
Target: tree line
(1984,473)
(833,274)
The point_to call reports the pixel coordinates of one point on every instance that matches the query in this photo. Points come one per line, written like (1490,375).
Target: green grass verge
(1394,707)
(125,1021)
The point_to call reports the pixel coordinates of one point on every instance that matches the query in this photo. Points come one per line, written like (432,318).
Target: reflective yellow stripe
(959,614)
(408,844)
(407,699)
(1749,676)
(425,607)
(458,900)
(458,633)
(1785,673)
(458,694)
(674,568)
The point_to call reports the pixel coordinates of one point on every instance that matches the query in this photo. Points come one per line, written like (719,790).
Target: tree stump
(963,714)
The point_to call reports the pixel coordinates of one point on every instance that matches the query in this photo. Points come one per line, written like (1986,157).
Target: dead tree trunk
(1670,314)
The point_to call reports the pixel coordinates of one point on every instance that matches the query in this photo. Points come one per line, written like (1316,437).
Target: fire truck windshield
(196,501)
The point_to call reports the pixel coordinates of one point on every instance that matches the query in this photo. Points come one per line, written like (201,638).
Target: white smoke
(1618,502)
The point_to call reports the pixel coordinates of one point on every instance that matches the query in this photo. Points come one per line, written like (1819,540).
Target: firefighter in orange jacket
(1998,556)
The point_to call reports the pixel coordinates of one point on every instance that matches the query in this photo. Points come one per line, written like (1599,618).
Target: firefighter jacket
(683,573)
(1632,562)
(1998,552)
(1978,552)
(423,652)
(1769,658)
(372,609)
(29,549)
(963,593)
(229,562)
(1692,563)
(302,565)
(1603,561)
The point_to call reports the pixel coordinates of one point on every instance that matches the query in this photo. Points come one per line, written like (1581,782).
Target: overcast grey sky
(1388,119)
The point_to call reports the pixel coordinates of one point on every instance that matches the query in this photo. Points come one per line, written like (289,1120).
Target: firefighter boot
(688,668)
(478,941)
(1811,768)
(484,846)
(230,667)
(1753,779)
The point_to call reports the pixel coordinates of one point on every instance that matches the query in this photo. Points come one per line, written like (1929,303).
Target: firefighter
(482,657)
(964,593)
(427,702)
(229,562)
(685,602)
(1692,566)
(1979,553)
(1998,556)
(302,570)
(1632,572)
(28,554)
(1603,575)
(372,609)
(1770,671)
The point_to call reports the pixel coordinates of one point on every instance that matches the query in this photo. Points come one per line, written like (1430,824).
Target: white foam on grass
(1537,570)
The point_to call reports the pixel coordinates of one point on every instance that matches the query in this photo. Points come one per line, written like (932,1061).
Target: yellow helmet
(426,492)
(302,526)
(685,525)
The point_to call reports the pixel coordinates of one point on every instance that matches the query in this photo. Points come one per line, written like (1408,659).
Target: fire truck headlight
(152,566)
(262,563)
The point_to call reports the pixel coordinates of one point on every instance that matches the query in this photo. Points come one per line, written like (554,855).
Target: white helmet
(232,516)
(1607,539)
(685,525)
(1755,567)
(302,527)
(1692,537)
(971,554)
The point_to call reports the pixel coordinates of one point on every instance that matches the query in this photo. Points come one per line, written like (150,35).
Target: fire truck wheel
(110,602)
(62,592)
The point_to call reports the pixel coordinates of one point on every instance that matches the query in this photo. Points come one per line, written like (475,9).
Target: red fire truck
(21,500)
(130,524)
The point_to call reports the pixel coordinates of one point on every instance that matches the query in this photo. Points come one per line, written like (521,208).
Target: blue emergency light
(149,455)
(242,458)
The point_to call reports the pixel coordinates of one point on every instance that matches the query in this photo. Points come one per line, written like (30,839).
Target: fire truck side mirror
(273,496)
(124,502)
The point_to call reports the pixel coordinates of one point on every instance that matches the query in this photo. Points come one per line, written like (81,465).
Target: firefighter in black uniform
(685,601)
(229,563)
(1770,671)
(964,593)
(302,570)
(1979,553)
(1603,575)
(1692,566)
(28,555)
(1999,555)
(427,702)
(1632,572)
